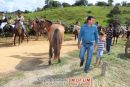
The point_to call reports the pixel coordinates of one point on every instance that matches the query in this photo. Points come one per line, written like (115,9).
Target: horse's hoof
(49,63)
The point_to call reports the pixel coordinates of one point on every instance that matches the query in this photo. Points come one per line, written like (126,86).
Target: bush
(89,12)
(114,18)
(114,11)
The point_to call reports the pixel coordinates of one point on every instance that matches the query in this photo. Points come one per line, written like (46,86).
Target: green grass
(118,70)
(69,15)
(117,74)
(6,78)
(67,37)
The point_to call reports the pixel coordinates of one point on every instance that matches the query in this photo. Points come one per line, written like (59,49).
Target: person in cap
(21,19)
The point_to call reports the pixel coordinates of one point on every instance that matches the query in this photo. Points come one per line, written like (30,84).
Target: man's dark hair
(100,33)
(89,18)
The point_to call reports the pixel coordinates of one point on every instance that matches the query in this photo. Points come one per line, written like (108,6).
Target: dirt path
(30,63)
(22,57)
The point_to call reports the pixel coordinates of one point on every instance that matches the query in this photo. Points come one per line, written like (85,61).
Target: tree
(128,4)
(115,10)
(26,11)
(101,3)
(65,4)
(81,3)
(117,4)
(90,4)
(110,2)
(38,9)
(47,2)
(55,4)
(124,3)
(52,3)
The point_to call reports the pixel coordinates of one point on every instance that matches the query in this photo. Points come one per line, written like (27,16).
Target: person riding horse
(4,22)
(20,18)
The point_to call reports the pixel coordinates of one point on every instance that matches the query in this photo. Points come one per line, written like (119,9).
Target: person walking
(89,37)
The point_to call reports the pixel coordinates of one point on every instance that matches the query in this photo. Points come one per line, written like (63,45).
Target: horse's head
(17,24)
(32,24)
(47,24)
(16,21)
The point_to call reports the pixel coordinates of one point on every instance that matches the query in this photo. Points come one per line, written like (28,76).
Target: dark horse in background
(19,32)
(55,36)
(116,31)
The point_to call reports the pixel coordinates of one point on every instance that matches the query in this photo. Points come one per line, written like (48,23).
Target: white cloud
(13,5)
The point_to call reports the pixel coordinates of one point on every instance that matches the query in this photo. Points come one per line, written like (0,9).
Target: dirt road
(15,57)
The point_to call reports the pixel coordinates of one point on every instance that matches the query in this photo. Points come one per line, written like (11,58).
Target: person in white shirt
(4,21)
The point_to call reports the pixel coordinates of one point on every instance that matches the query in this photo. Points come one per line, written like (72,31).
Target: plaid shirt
(109,33)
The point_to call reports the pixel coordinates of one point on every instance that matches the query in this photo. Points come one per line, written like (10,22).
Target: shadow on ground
(31,63)
(59,76)
(124,56)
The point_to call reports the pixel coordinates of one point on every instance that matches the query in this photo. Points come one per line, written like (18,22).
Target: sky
(31,5)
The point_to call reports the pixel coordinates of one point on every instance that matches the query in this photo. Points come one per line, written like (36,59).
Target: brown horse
(18,32)
(38,27)
(55,36)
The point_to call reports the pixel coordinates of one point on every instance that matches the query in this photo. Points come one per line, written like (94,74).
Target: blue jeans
(89,48)
(108,44)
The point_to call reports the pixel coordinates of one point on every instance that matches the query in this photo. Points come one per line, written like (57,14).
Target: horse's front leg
(19,39)
(27,37)
(116,40)
(50,54)
(14,40)
(59,60)
(36,36)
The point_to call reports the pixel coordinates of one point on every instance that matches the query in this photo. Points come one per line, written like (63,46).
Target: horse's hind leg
(50,54)
(59,60)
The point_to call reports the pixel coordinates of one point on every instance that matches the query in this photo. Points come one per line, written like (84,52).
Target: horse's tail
(57,40)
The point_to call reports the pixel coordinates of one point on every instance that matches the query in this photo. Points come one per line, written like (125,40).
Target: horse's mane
(49,22)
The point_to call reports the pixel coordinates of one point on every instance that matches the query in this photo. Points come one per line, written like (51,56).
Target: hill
(69,15)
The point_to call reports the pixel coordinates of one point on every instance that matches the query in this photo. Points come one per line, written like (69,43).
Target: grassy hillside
(69,15)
